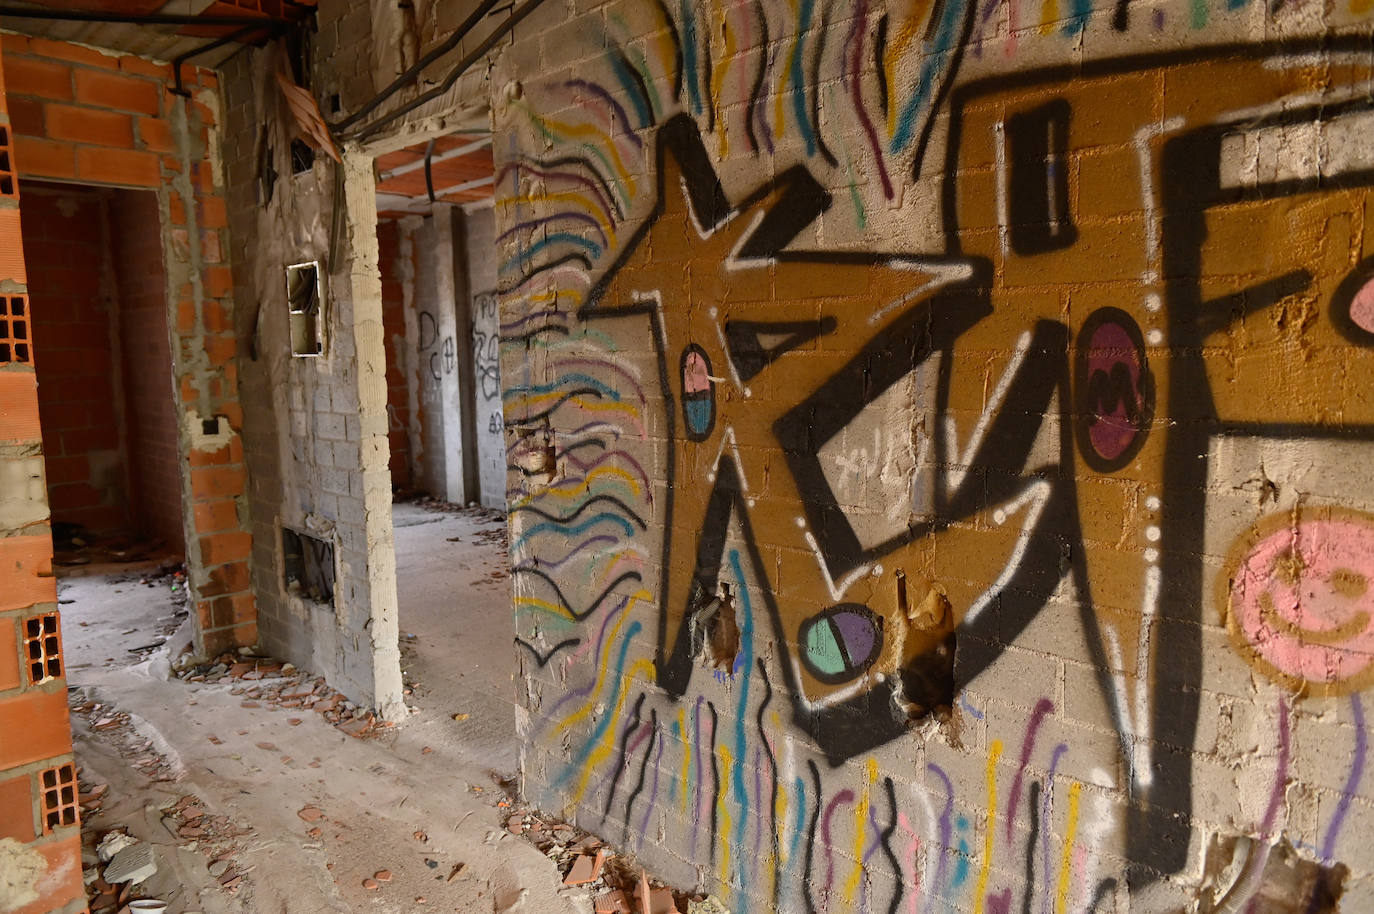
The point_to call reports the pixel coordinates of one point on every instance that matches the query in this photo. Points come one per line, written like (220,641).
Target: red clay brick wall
(146,356)
(73,313)
(35,732)
(394,330)
(108,119)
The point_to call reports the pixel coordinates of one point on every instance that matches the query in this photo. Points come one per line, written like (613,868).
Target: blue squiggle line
(563,381)
(526,254)
(926,81)
(600,729)
(795,844)
(744,662)
(627,85)
(689,51)
(564,529)
(798,83)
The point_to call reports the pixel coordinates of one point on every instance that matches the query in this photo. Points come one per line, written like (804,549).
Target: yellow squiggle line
(603,663)
(981,891)
(581,402)
(551,608)
(1061,902)
(686,755)
(724,808)
(586,133)
(638,668)
(1049,15)
(895,49)
(781,90)
(860,819)
(664,41)
(588,204)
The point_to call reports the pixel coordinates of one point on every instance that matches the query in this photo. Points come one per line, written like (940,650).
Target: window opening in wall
(308,563)
(14,329)
(304,298)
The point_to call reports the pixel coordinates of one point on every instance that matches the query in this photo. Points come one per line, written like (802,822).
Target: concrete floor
(432,775)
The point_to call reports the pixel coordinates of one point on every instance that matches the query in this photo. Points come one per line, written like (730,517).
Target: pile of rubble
(113,868)
(274,684)
(618,885)
(117,727)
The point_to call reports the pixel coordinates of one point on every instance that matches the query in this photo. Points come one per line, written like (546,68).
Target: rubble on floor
(617,884)
(115,864)
(280,685)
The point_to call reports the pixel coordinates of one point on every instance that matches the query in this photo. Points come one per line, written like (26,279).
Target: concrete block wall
(317,445)
(93,117)
(40,834)
(941,447)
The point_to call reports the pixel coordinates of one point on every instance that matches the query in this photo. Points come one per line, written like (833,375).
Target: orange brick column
(110,119)
(38,807)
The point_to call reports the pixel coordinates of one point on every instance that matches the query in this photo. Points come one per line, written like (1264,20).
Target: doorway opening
(438,261)
(105,394)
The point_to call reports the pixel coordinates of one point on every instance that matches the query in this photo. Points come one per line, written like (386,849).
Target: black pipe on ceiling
(24,12)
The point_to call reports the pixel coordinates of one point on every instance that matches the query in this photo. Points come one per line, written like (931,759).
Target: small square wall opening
(43,648)
(308,566)
(305,308)
(59,797)
(14,329)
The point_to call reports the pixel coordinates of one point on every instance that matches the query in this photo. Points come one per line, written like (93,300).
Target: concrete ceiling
(461,166)
(160,42)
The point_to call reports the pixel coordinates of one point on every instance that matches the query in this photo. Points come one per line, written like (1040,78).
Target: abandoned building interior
(690,456)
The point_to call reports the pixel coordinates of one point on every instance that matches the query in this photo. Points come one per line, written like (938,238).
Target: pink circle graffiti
(1362,307)
(1301,600)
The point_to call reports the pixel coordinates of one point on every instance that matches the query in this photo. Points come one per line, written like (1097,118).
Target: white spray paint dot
(1152,533)
(1152,503)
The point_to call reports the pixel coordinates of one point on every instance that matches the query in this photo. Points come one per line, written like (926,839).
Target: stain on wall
(1017,424)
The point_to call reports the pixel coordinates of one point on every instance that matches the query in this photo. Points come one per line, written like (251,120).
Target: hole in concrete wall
(928,685)
(210,427)
(304,299)
(1241,873)
(722,631)
(308,565)
(302,157)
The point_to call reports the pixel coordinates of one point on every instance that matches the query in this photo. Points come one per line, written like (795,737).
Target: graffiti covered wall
(938,440)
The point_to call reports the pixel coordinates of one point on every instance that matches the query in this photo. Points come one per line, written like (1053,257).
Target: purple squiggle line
(653,790)
(542,563)
(940,868)
(1046,808)
(844,796)
(583,692)
(1042,707)
(856,35)
(1352,781)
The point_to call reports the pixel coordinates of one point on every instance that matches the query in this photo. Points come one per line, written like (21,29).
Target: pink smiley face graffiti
(1298,597)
